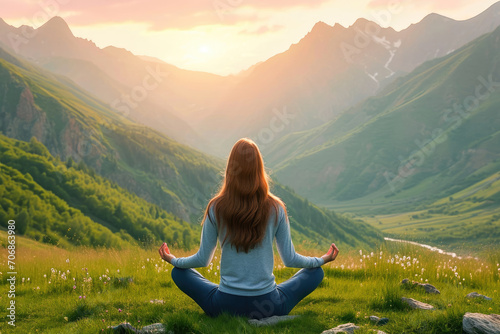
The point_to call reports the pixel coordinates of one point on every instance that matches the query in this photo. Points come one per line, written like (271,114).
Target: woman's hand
(331,255)
(165,253)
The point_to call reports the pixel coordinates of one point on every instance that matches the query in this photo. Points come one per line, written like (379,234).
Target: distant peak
(434,17)
(338,26)
(3,24)
(361,23)
(321,26)
(57,26)
(118,52)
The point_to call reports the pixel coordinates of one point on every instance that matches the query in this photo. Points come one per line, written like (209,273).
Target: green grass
(355,287)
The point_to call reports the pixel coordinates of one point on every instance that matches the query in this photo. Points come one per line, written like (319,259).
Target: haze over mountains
(328,71)
(90,170)
(364,119)
(153,93)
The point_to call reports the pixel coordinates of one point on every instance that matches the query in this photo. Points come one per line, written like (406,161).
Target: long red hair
(243,204)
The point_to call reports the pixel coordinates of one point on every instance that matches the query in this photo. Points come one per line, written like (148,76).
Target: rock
(345,328)
(378,332)
(477,295)
(429,288)
(126,328)
(379,321)
(271,320)
(477,323)
(153,329)
(157,301)
(416,304)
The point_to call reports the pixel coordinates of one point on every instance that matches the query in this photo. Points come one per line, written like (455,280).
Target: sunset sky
(220,36)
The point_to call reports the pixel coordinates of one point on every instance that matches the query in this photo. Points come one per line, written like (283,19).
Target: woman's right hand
(331,255)
(165,253)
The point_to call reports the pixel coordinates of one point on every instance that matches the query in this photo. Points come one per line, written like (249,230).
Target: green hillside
(81,131)
(469,219)
(421,139)
(72,124)
(67,204)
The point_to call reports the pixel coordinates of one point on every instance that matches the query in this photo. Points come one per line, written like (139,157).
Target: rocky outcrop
(62,135)
(23,120)
(415,304)
(477,323)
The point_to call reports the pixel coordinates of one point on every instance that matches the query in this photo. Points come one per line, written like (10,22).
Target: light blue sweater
(248,274)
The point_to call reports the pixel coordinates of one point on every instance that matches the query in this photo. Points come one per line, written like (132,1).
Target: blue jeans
(278,302)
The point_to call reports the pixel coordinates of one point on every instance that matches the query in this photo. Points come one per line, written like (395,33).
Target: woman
(246,218)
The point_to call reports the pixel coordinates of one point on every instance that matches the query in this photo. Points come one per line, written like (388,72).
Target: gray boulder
(379,321)
(415,304)
(157,301)
(477,295)
(126,328)
(271,320)
(429,288)
(345,328)
(478,323)
(154,329)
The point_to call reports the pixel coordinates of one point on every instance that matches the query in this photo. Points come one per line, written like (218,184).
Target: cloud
(158,14)
(262,30)
(431,5)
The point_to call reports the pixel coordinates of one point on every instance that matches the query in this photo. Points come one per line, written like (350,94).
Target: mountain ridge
(346,157)
(333,68)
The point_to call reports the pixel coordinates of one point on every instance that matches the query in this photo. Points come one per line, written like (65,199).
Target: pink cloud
(159,14)
(263,30)
(431,5)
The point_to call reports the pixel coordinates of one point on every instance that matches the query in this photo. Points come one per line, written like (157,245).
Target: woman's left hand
(331,255)
(165,253)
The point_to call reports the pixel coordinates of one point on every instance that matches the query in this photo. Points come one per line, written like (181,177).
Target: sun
(204,49)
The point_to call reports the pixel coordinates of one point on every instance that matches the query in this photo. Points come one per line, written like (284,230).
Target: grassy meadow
(464,221)
(84,290)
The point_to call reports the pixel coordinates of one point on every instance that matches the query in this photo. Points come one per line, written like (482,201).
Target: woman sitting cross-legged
(246,218)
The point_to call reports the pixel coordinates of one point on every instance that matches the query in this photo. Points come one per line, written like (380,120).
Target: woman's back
(245,217)
(249,274)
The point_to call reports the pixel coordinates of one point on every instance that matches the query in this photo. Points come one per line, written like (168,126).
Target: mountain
(437,36)
(73,124)
(80,130)
(329,70)
(426,136)
(332,69)
(156,94)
